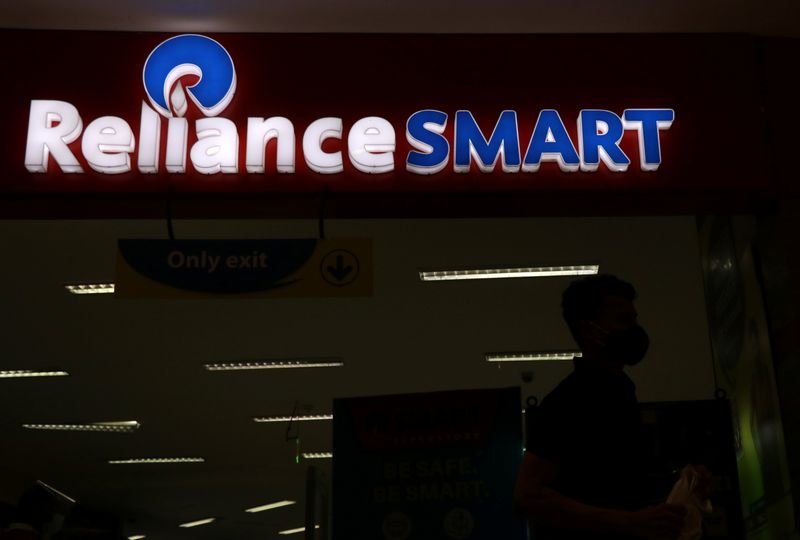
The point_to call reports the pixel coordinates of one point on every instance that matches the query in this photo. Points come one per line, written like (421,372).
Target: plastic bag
(686,492)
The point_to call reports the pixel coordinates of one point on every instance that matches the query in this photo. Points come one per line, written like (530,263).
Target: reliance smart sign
(194,71)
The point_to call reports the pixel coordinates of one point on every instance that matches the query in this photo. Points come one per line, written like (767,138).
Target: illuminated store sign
(109,145)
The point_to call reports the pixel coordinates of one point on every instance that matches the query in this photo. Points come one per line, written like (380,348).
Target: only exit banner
(277,268)
(427,466)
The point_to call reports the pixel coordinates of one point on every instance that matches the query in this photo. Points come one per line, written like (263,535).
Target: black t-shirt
(590,425)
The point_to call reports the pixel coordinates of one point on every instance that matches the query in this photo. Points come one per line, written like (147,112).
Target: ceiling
(143,359)
(767,17)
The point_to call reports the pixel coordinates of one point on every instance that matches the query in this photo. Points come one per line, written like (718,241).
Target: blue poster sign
(427,466)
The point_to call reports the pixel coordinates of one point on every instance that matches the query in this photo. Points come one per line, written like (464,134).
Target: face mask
(626,346)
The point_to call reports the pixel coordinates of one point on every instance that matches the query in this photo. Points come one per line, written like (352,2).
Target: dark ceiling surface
(766,17)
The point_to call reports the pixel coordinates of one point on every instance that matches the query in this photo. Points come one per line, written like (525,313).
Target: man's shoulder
(566,397)
(567,391)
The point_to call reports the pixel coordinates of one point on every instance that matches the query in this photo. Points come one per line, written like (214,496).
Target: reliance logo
(189,55)
(108,143)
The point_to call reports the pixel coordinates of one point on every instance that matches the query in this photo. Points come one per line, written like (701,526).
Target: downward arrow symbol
(340,271)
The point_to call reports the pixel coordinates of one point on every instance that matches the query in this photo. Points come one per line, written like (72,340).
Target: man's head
(599,312)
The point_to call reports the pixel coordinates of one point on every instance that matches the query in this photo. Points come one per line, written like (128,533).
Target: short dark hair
(582,300)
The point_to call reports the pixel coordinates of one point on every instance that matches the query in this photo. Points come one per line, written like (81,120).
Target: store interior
(143,360)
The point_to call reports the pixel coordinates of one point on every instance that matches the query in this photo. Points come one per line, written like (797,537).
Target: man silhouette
(581,478)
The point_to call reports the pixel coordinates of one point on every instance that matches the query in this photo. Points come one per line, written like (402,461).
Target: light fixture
(301,418)
(509,272)
(197,523)
(295,531)
(137,537)
(27,373)
(90,288)
(55,492)
(271,506)
(109,427)
(317,455)
(144,461)
(277,364)
(531,356)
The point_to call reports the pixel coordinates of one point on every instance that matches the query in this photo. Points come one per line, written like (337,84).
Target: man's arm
(537,501)
(540,503)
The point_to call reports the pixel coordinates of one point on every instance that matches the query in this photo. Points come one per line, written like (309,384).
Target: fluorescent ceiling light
(277,364)
(297,530)
(54,491)
(301,418)
(197,523)
(531,356)
(91,288)
(137,537)
(317,455)
(110,427)
(270,506)
(139,461)
(23,373)
(500,273)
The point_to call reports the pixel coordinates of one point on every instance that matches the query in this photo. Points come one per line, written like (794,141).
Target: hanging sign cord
(170,230)
(323,196)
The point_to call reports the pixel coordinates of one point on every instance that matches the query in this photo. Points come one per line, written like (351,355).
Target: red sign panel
(710,146)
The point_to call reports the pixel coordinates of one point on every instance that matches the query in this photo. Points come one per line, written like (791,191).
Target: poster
(427,466)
